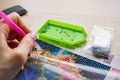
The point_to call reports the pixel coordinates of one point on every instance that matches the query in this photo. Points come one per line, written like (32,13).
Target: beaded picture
(54,63)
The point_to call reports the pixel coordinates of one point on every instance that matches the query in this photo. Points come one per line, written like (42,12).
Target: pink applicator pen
(17,28)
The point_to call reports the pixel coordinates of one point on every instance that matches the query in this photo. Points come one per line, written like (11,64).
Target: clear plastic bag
(100,41)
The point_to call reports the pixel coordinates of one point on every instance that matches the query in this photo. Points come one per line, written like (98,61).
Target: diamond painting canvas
(54,63)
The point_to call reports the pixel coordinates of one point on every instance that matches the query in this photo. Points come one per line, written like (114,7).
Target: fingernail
(34,36)
(22,67)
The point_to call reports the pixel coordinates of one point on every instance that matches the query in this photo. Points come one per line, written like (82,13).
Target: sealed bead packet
(100,41)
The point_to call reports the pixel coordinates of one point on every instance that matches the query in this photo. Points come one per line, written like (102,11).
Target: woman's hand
(14,49)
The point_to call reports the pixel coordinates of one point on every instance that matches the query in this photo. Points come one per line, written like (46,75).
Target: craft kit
(49,61)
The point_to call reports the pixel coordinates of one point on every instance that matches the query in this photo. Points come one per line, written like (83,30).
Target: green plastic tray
(61,33)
